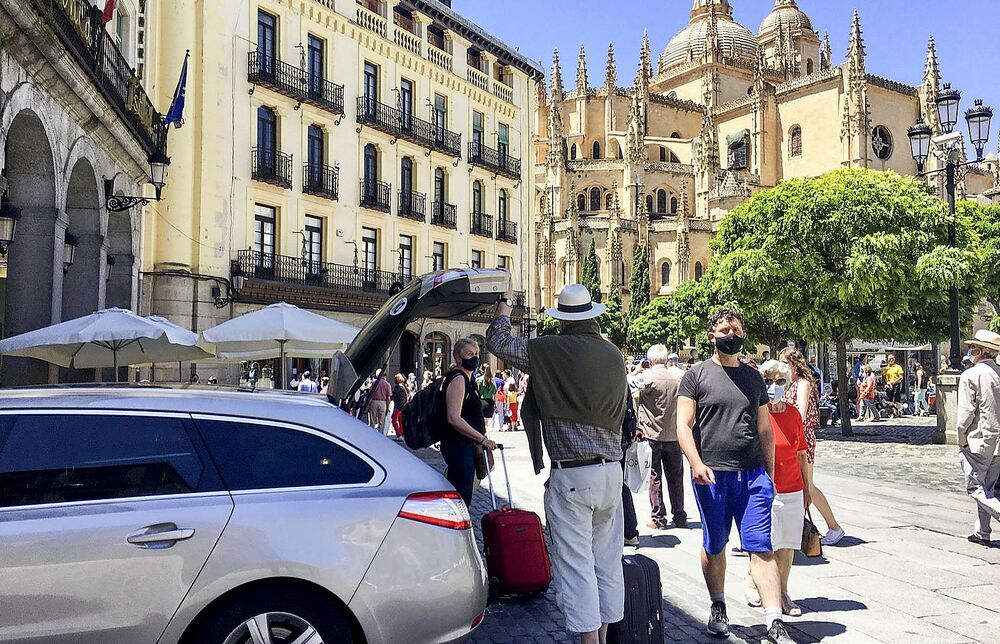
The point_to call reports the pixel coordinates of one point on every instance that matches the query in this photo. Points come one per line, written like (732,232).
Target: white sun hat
(575,304)
(985,339)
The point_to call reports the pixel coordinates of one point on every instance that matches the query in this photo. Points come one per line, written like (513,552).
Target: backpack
(423,418)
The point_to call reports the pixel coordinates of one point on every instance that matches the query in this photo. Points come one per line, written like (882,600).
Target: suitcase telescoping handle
(506,474)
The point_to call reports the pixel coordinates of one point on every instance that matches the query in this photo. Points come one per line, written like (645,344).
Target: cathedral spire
(557,85)
(826,54)
(712,33)
(931,85)
(856,49)
(581,72)
(645,74)
(634,145)
(611,72)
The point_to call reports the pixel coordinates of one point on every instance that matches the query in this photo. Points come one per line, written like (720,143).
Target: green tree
(613,320)
(854,253)
(638,285)
(985,220)
(546,325)
(592,273)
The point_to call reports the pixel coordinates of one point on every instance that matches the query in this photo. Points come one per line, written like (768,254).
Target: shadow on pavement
(658,541)
(825,605)
(849,542)
(802,560)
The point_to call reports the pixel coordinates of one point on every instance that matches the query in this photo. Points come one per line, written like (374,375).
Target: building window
(369,251)
(649,203)
(882,142)
(597,150)
(265,218)
(795,148)
(477,197)
(478,129)
(267,139)
(675,135)
(572,152)
(440,191)
(437,353)
(406,103)
(476,260)
(665,274)
(440,115)
(316,57)
(607,201)
(438,256)
(371,170)
(809,66)
(595,199)
(502,205)
(503,263)
(503,142)
(738,145)
(267,40)
(406,183)
(581,202)
(661,201)
(371,88)
(313,245)
(315,155)
(406,257)
(663,153)
(673,205)
(435,36)
(699,270)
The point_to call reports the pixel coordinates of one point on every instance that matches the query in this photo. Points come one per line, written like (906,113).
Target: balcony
(444,215)
(320,180)
(504,91)
(295,270)
(404,125)
(407,40)
(294,82)
(507,231)
(499,162)
(479,79)
(482,225)
(371,21)
(271,166)
(440,57)
(375,195)
(80,28)
(413,205)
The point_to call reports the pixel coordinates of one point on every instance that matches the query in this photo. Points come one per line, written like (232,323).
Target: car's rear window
(252,456)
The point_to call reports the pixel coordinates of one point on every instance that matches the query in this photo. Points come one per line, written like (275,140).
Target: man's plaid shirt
(564,440)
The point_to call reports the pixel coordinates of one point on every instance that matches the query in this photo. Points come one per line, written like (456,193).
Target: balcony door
(315,155)
(405,258)
(267,43)
(477,198)
(406,104)
(315,58)
(502,209)
(478,128)
(440,117)
(267,141)
(439,193)
(264,239)
(371,174)
(369,255)
(503,143)
(406,184)
(312,246)
(371,89)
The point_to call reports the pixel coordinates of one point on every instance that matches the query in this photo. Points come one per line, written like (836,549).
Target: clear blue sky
(895,34)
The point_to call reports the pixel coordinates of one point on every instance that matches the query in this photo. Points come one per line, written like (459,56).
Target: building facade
(76,126)
(333,149)
(720,115)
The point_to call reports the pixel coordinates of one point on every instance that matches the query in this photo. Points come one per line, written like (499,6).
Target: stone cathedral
(723,114)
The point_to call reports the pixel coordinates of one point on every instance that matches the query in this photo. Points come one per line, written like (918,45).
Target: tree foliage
(639,286)
(592,273)
(985,220)
(613,320)
(546,325)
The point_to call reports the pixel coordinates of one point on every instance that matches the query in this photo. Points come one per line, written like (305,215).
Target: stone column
(947,409)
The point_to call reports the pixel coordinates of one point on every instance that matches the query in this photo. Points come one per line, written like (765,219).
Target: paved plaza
(905,573)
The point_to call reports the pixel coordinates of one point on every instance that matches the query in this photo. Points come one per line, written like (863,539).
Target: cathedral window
(597,150)
(675,135)
(595,199)
(795,145)
(581,202)
(809,67)
(607,201)
(661,201)
(699,270)
(572,152)
(738,145)
(649,203)
(663,153)
(665,274)
(673,205)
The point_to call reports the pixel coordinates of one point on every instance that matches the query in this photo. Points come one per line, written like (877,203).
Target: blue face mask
(970,357)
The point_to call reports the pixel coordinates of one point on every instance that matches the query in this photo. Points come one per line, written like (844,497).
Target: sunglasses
(771,381)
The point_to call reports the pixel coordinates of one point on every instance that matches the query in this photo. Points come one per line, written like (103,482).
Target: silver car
(145,514)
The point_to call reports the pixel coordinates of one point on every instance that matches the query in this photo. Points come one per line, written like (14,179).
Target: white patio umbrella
(108,338)
(278,331)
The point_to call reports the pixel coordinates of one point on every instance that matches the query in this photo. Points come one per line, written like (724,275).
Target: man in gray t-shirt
(724,429)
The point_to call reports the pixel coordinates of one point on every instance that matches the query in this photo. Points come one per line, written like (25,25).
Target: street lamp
(948,147)
(109,260)
(70,243)
(159,163)
(9,214)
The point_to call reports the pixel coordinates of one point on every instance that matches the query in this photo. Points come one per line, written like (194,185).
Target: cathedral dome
(689,43)
(788,15)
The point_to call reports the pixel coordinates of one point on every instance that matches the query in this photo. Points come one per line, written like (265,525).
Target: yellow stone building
(723,114)
(332,149)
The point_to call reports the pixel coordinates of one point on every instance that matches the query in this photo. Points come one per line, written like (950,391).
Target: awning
(859,346)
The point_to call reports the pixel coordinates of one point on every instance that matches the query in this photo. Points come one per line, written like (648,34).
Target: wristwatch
(505,300)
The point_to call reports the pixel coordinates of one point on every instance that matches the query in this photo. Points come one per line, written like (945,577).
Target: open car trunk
(442,295)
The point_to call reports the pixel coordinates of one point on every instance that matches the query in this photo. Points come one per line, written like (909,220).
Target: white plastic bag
(638,463)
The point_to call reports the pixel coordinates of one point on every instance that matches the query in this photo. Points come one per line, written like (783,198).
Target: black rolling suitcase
(643,623)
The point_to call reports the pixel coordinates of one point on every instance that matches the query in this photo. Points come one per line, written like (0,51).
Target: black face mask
(470,364)
(731,344)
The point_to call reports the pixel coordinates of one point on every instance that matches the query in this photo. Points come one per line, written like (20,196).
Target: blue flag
(175,114)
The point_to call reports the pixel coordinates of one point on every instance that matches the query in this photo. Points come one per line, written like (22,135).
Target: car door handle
(162,535)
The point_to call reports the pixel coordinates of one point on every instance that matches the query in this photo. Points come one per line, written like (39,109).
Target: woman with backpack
(465,428)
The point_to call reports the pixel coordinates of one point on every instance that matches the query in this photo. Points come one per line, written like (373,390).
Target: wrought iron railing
(444,215)
(507,231)
(498,161)
(376,195)
(404,125)
(482,224)
(295,82)
(272,166)
(255,264)
(80,27)
(413,205)
(320,180)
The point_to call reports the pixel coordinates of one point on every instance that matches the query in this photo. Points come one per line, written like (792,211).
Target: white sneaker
(832,537)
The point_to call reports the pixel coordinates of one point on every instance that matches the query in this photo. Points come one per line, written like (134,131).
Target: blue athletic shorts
(744,497)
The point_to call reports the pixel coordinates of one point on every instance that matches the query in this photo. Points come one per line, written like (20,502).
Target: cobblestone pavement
(905,573)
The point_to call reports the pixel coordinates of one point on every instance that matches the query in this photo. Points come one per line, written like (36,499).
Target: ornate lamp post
(159,163)
(948,148)
(9,214)
(69,250)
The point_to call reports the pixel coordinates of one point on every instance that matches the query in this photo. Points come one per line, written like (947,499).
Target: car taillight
(478,620)
(443,509)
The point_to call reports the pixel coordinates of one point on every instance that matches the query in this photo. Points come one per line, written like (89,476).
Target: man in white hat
(979,429)
(575,402)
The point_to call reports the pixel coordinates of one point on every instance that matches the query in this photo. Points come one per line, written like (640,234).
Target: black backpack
(423,417)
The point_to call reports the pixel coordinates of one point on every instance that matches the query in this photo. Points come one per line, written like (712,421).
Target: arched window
(665,274)
(661,201)
(663,153)
(595,198)
(597,150)
(607,201)
(795,145)
(675,135)
(406,185)
(581,202)
(620,155)
(440,189)
(649,203)
(477,197)
(572,152)
(502,205)
(673,205)
(371,167)
(809,67)
(699,270)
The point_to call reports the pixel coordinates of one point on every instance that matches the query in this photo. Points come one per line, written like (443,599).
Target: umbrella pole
(115,353)
(284,376)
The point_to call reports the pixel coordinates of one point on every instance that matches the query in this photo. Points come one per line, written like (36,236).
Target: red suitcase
(517,558)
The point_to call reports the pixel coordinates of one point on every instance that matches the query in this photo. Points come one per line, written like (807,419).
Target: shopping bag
(638,462)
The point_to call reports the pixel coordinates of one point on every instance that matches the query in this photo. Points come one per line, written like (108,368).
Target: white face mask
(776,392)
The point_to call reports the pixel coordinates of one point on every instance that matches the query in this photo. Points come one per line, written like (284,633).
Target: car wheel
(294,619)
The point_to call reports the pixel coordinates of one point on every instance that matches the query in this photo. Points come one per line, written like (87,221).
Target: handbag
(484,462)
(811,544)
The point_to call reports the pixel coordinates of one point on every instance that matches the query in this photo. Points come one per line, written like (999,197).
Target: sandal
(790,608)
